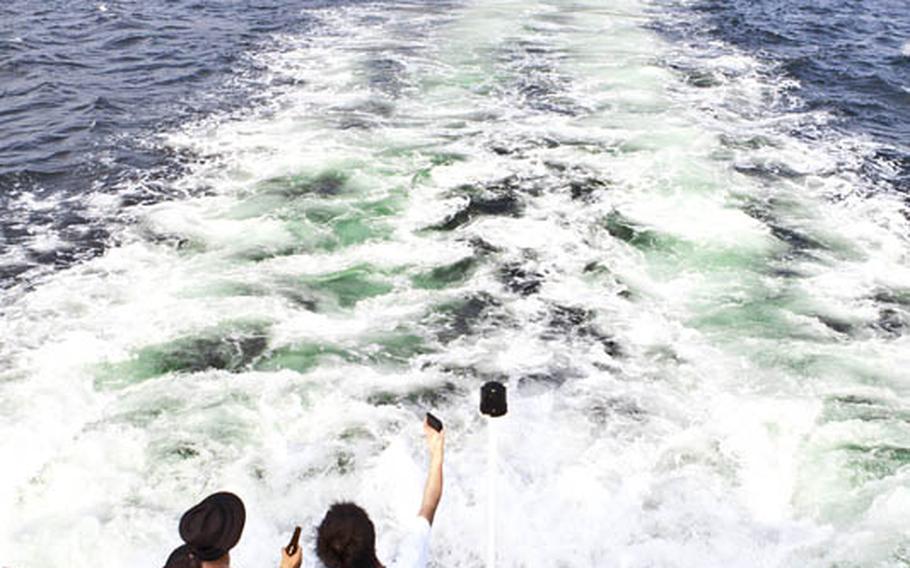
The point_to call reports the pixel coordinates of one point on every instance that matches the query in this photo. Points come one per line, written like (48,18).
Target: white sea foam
(713,439)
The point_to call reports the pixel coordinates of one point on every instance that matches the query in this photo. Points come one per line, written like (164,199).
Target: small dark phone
(435,423)
(295,542)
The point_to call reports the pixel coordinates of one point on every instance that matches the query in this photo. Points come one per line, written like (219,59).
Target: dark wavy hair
(346,538)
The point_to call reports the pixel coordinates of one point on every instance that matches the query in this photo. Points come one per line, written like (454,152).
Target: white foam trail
(738,424)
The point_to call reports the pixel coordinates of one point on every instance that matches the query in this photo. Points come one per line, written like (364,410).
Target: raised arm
(432,491)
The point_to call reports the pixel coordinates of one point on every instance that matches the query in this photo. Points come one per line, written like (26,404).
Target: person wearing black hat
(210,529)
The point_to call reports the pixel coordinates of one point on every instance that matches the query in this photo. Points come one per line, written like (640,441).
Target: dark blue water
(851,59)
(847,54)
(83,89)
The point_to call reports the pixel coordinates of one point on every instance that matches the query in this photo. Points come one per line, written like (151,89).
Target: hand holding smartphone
(291,556)
(292,546)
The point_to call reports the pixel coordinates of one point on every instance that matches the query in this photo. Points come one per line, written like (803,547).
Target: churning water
(692,274)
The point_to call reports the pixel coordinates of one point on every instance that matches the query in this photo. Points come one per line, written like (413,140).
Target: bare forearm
(432,491)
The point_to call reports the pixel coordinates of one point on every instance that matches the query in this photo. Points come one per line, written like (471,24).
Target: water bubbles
(638,279)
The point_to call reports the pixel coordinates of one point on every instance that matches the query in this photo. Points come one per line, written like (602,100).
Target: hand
(292,560)
(435,440)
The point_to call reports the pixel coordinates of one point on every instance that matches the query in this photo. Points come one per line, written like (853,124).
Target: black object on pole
(291,548)
(493,399)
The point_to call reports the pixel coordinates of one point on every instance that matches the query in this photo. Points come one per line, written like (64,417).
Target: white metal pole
(491,493)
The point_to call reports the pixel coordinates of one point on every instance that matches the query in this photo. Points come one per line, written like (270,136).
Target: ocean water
(247,244)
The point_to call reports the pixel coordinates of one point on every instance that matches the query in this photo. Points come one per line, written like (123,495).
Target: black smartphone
(295,542)
(435,423)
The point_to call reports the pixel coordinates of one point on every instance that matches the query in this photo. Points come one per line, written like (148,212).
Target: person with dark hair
(210,529)
(346,537)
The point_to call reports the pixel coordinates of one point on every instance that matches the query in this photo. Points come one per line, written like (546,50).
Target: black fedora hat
(212,527)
